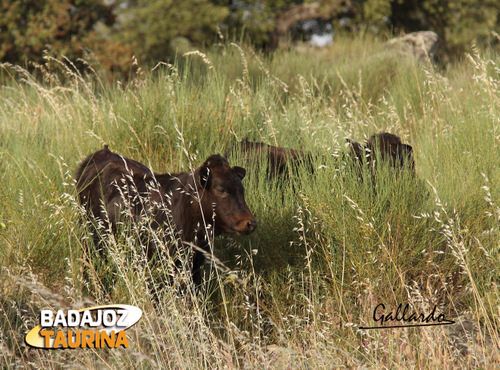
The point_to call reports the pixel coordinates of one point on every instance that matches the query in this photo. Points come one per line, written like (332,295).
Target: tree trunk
(302,12)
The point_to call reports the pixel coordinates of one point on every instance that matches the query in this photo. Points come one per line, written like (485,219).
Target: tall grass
(328,248)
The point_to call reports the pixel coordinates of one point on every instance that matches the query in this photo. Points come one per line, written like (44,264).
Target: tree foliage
(29,29)
(149,26)
(458,23)
(256,19)
(154,29)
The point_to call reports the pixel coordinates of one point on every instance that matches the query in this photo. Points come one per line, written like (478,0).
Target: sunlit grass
(328,248)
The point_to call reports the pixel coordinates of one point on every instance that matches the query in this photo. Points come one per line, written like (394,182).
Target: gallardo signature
(402,315)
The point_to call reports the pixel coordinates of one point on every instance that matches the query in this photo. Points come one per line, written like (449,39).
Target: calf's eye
(221,191)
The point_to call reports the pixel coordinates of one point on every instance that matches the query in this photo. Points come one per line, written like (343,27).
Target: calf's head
(391,149)
(222,192)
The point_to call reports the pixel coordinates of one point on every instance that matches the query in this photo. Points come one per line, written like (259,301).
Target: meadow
(328,249)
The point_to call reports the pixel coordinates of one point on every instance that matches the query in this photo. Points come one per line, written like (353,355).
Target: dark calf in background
(198,205)
(390,148)
(279,159)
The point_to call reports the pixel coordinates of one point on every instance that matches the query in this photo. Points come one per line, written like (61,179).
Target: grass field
(328,249)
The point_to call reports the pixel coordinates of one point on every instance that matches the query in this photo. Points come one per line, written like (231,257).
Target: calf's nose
(251,225)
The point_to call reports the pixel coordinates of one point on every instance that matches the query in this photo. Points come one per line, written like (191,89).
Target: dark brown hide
(198,205)
(391,150)
(278,158)
(357,151)
(389,147)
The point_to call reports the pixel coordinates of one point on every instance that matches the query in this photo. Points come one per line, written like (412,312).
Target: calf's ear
(240,172)
(408,151)
(407,148)
(205,177)
(356,148)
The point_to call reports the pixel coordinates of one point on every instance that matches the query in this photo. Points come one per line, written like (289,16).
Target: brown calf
(278,157)
(390,147)
(198,205)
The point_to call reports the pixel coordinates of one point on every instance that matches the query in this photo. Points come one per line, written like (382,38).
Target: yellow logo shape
(113,335)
